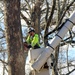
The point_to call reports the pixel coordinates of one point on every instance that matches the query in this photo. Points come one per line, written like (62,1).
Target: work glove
(52,64)
(29,46)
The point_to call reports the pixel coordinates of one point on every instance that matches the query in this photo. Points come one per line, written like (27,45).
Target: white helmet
(31,29)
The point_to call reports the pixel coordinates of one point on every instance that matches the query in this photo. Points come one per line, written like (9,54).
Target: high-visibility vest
(33,41)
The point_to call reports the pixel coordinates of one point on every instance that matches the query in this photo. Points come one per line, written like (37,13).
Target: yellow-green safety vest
(33,40)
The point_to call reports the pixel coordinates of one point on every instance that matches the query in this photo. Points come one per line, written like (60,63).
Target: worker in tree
(32,40)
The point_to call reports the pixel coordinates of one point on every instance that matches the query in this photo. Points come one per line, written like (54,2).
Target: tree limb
(27,21)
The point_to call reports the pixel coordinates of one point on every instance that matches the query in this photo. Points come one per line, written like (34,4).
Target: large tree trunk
(16,61)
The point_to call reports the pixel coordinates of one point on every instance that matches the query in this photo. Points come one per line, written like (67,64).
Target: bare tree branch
(60,19)
(3,62)
(71,71)
(50,17)
(24,17)
(67,8)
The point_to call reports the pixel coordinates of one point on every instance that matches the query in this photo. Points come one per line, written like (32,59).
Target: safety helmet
(31,29)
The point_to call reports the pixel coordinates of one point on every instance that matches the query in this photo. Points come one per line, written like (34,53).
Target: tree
(16,58)
(52,13)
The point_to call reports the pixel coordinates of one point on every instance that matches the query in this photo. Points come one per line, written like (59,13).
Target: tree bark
(36,15)
(16,61)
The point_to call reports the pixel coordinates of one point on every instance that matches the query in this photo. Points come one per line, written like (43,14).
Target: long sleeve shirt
(33,40)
